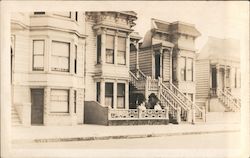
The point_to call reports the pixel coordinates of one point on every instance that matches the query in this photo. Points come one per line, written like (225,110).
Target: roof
(217,48)
(175,27)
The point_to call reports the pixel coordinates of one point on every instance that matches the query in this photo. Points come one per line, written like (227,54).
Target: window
(98,92)
(59,101)
(183,68)
(110,49)
(75,60)
(186,69)
(38,55)
(60,56)
(109,94)
(120,95)
(39,13)
(75,99)
(76,17)
(121,54)
(99,48)
(189,69)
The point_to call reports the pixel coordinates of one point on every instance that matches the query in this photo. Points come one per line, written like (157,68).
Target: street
(200,141)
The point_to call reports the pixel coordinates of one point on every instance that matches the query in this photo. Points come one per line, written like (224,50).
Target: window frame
(98,48)
(121,96)
(57,69)
(108,50)
(123,51)
(33,55)
(68,101)
(109,95)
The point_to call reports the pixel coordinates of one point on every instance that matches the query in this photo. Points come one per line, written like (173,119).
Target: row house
(72,68)
(47,64)
(218,75)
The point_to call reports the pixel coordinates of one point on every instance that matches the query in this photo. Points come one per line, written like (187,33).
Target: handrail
(223,94)
(142,74)
(185,97)
(174,96)
(235,99)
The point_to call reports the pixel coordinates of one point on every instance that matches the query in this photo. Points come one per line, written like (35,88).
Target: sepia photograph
(124,79)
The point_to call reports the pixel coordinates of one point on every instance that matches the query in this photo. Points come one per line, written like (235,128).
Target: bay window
(110,49)
(121,53)
(109,99)
(60,56)
(38,55)
(59,99)
(120,95)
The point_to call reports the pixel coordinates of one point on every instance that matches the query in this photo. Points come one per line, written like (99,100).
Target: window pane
(38,62)
(99,47)
(109,101)
(98,92)
(189,69)
(109,56)
(120,102)
(60,48)
(121,57)
(110,42)
(59,101)
(120,89)
(121,43)
(108,89)
(38,47)
(182,68)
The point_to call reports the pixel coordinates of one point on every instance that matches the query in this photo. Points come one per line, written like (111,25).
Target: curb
(92,138)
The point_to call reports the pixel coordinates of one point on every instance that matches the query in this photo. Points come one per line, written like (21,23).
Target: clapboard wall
(202,79)
(145,61)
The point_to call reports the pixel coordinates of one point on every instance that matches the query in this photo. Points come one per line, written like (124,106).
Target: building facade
(72,68)
(218,75)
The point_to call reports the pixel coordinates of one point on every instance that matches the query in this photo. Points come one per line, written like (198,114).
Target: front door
(157,65)
(37,106)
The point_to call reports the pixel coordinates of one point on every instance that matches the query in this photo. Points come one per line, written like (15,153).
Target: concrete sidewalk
(96,132)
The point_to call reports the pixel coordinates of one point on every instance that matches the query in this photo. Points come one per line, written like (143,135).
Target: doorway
(157,66)
(37,106)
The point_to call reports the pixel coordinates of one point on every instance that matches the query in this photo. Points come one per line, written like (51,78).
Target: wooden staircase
(169,95)
(230,102)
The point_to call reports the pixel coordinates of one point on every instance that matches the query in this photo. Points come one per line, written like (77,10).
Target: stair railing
(198,111)
(234,98)
(227,100)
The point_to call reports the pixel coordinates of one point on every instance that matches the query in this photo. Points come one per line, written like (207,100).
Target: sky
(219,19)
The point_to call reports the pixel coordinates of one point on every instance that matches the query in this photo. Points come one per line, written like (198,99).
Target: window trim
(68,102)
(59,69)
(33,55)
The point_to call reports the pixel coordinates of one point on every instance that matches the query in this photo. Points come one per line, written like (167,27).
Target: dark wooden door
(37,106)
(157,66)
(214,78)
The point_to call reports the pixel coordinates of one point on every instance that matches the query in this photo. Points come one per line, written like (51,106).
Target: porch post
(137,56)
(225,77)
(177,67)
(170,65)
(103,46)
(217,76)
(127,51)
(102,93)
(161,63)
(115,95)
(127,95)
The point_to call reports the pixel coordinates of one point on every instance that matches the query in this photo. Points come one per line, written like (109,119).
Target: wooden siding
(132,59)
(202,79)
(145,61)
(166,66)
